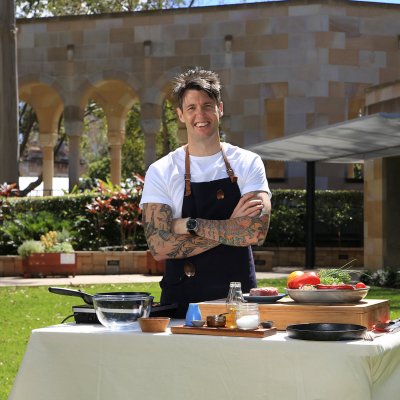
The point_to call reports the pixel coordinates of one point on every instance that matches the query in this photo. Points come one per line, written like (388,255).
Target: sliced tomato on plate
(335,287)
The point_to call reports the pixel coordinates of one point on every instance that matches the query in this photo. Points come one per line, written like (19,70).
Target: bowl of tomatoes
(328,294)
(325,286)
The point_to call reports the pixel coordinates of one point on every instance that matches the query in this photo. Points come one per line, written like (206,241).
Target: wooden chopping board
(205,330)
(288,312)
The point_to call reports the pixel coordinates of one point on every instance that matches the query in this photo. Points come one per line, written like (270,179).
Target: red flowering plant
(117,207)
(6,190)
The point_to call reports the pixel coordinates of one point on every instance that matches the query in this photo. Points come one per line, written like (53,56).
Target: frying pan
(88,298)
(326,331)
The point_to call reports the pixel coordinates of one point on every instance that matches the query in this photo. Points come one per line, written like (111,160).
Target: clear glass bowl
(119,312)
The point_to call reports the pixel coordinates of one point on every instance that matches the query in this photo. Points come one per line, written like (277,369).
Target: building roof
(353,141)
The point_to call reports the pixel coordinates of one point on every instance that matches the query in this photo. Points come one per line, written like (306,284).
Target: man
(205,203)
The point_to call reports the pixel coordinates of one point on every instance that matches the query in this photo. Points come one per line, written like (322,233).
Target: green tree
(98,159)
(27,124)
(133,147)
(94,143)
(53,8)
(167,140)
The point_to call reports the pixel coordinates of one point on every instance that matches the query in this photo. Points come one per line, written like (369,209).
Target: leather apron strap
(229,170)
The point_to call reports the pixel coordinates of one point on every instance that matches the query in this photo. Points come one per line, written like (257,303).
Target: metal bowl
(216,321)
(327,295)
(198,323)
(119,312)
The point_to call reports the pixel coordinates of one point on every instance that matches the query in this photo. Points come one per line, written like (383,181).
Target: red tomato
(342,286)
(294,275)
(298,279)
(360,285)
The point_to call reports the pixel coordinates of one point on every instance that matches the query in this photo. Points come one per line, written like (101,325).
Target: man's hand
(248,206)
(178,226)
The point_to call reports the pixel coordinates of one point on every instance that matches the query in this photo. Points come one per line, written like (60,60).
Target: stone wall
(286,67)
(324,256)
(141,262)
(89,263)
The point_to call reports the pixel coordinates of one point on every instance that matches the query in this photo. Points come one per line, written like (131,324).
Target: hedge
(339,220)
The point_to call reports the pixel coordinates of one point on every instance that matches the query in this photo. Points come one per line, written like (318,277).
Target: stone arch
(116,93)
(43,95)
(152,98)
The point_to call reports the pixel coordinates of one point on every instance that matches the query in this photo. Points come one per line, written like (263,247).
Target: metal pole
(310,215)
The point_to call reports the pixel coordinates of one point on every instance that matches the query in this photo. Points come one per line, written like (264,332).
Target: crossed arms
(168,238)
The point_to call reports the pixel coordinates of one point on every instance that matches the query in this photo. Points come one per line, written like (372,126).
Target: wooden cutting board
(286,312)
(205,330)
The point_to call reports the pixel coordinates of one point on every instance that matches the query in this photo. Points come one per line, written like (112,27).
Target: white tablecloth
(87,362)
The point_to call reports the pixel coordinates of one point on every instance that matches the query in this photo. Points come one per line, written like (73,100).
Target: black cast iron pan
(326,331)
(88,298)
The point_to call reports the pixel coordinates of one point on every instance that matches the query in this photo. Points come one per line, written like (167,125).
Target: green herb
(335,276)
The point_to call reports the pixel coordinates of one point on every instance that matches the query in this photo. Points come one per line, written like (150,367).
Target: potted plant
(53,254)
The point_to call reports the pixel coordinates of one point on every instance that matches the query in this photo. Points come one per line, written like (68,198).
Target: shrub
(110,216)
(338,218)
(387,277)
(29,247)
(111,219)
(31,225)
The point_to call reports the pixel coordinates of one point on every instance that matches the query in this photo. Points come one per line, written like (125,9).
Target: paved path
(100,279)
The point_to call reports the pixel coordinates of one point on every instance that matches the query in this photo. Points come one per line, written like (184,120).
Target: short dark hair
(197,79)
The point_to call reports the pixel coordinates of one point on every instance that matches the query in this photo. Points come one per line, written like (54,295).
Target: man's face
(200,114)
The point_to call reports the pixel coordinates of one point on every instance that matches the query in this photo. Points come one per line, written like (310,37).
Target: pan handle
(87,298)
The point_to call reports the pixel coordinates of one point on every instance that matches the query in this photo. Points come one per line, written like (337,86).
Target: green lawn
(26,308)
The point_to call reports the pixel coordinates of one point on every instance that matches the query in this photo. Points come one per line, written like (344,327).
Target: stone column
(9,94)
(73,122)
(150,123)
(373,215)
(115,140)
(47,143)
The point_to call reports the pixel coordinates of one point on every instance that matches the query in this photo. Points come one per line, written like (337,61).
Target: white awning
(353,141)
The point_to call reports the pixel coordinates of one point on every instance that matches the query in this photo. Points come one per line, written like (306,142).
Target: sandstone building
(286,67)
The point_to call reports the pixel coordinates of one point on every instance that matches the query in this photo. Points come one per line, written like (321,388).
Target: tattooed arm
(163,242)
(168,238)
(248,224)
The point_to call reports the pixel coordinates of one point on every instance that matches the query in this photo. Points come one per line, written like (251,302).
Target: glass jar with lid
(248,316)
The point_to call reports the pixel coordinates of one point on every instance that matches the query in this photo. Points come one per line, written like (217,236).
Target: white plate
(327,295)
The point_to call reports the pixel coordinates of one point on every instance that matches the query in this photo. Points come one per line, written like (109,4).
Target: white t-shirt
(164,182)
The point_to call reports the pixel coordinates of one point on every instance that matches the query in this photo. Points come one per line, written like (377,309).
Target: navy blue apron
(213,269)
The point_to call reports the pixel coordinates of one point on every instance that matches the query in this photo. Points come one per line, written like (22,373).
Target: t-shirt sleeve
(256,179)
(155,188)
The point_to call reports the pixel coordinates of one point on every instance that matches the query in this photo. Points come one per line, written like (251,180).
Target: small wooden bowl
(154,324)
